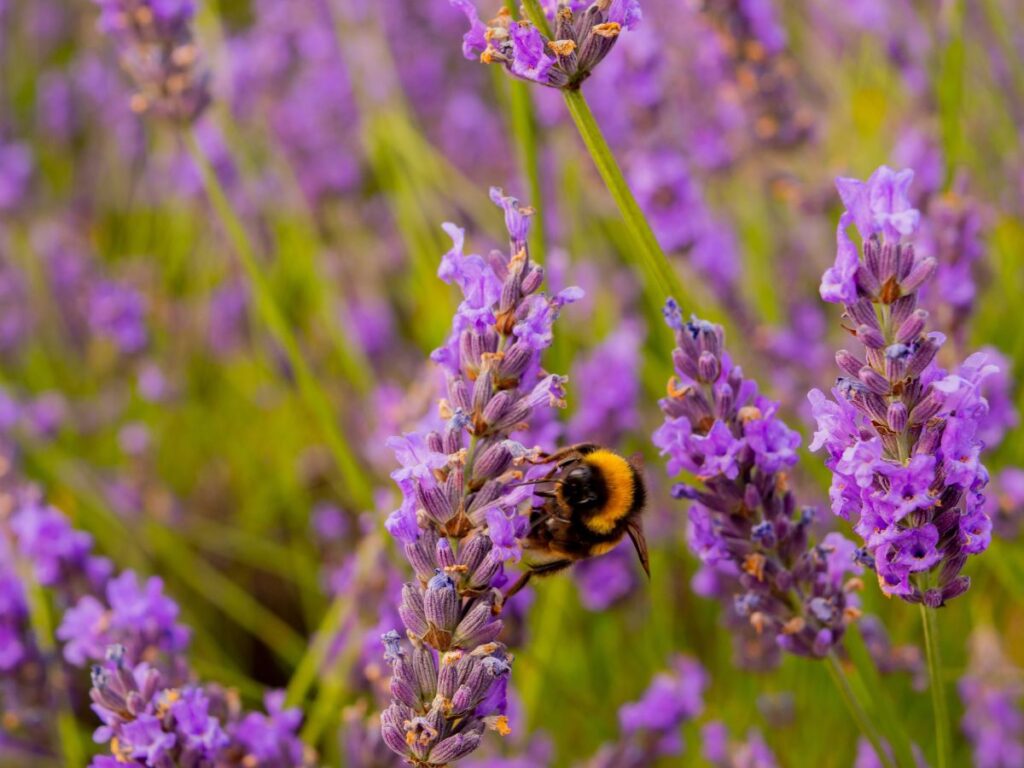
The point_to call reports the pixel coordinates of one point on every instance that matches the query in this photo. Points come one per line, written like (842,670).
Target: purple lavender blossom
(998,390)
(901,434)
(753,49)
(450,685)
(581,40)
(288,70)
(744,520)
(138,617)
(154,40)
(117,312)
(152,712)
(150,723)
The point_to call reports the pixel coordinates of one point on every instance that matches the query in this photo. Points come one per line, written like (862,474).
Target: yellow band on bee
(618,478)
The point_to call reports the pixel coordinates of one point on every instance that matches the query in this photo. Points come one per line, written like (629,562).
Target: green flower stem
(937,685)
(856,710)
(524,133)
(661,280)
(340,613)
(233,599)
(660,277)
(536,15)
(355,480)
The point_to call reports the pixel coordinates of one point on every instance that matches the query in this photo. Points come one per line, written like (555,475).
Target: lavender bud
(494,461)
(923,354)
(874,381)
(441,603)
(912,327)
(532,281)
(848,363)
(863,313)
(411,610)
(921,272)
(517,358)
(709,367)
(454,748)
(897,417)
(871,338)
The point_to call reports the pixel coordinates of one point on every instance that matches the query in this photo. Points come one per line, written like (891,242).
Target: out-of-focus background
(146,396)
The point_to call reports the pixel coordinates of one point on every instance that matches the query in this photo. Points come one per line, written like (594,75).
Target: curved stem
(661,280)
(937,684)
(312,393)
(856,710)
(524,132)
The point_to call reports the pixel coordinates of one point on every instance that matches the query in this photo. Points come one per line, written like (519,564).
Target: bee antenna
(538,481)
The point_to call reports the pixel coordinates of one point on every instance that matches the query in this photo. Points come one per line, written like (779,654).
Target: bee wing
(636,535)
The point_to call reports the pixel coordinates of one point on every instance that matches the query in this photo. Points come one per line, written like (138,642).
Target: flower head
(901,433)
(458,485)
(745,524)
(581,39)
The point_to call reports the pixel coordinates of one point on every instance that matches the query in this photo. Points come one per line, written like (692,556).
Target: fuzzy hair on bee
(595,498)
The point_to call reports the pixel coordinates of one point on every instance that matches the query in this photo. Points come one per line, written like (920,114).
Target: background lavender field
(226,292)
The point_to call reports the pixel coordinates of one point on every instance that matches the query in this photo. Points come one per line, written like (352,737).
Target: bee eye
(577,475)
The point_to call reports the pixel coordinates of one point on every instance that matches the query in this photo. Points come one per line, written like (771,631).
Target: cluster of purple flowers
(37,543)
(901,434)
(462,509)
(150,723)
(765,74)
(580,40)
(118,312)
(744,520)
(153,713)
(155,45)
(287,69)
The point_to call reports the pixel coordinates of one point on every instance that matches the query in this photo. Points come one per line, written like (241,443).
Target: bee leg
(569,452)
(636,535)
(521,582)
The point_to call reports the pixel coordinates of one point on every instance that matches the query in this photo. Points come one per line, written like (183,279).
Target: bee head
(582,487)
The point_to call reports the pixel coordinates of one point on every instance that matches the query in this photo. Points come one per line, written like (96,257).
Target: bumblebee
(596,498)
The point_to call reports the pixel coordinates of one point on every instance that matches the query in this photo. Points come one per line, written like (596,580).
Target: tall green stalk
(355,480)
(661,280)
(937,685)
(660,277)
(524,133)
(856,710)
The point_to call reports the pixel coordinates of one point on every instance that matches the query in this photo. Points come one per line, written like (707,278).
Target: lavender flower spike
(582,38)
(157,51)
(745,523)
(462,511)
(901,434)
